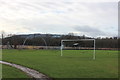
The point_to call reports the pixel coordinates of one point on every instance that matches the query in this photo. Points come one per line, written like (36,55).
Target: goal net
(78,44)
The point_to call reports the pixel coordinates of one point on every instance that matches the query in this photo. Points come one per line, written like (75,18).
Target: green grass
(10,72)
(73,64)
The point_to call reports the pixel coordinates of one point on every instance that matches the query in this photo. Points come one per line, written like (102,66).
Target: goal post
(72,40)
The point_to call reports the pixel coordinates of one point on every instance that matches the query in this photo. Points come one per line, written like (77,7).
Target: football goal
(78,44)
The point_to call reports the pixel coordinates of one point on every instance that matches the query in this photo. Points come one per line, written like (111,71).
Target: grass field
(10,72)
(73,63)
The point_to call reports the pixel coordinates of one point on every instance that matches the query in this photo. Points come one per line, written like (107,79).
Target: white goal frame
(67,40)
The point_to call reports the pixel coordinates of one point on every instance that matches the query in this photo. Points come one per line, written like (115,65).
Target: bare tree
(2,37)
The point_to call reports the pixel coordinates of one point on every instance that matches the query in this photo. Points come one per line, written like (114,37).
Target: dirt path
(33,73)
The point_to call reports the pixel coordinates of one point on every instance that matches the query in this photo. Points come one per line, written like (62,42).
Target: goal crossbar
(64,40)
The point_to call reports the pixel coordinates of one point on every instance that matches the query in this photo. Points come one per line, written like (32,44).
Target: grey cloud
(91,31)
(34,15)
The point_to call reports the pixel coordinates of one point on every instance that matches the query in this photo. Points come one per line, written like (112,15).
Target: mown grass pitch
(73,63)
(10,72)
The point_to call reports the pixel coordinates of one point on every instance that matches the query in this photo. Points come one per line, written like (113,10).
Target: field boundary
(30,72)
(56,47)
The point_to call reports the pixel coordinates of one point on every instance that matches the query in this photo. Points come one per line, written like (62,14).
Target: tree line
(15,40)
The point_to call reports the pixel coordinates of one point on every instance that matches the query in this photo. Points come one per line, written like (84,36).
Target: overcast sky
(82,17)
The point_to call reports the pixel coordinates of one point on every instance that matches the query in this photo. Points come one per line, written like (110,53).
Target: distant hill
(39,35)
